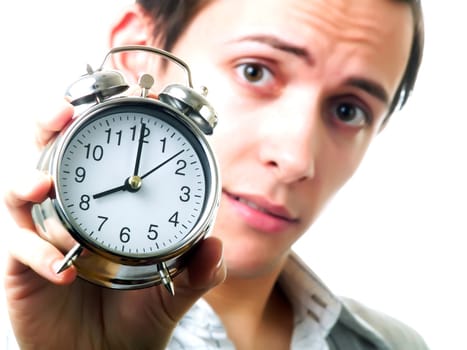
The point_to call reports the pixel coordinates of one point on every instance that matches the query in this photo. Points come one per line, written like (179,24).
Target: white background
(393,238)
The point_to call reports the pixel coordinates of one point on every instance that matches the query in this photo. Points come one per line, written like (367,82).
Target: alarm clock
(136,183)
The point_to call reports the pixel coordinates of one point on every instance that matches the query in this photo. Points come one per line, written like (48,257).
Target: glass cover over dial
(133,180)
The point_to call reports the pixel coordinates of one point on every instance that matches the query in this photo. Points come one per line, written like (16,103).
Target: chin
(254,264)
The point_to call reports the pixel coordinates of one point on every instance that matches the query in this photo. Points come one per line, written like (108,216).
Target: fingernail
(220,272)
(57,266)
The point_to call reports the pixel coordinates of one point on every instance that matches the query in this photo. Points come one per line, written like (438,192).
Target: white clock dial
(163,162)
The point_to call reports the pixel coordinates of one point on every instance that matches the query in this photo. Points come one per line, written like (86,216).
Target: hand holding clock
(56,300)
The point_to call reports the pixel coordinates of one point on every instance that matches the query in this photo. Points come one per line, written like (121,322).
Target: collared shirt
(316,310)
(321,321)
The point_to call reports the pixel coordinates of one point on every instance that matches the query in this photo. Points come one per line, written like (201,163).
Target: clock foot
(166,280)
(69,258)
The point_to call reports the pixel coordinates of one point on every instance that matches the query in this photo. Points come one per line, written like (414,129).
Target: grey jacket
(361,328)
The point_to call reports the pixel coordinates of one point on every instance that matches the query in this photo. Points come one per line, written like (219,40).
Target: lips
(260,213)
(267,209)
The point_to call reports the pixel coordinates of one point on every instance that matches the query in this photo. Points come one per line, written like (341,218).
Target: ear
(133,27)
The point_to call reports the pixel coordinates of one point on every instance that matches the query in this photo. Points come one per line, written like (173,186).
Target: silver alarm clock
(136,183)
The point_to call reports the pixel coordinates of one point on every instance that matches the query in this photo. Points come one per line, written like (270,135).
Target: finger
(206,270)
(34,187)
(28,188)
(28,251)
(49,125)
(55,232)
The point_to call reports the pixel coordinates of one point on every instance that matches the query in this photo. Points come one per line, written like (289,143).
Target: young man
(301,88)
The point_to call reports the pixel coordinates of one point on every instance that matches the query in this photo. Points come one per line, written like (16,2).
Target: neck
(247,306)
(239,293)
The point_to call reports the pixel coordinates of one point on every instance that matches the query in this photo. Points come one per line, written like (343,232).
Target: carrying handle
(153,50)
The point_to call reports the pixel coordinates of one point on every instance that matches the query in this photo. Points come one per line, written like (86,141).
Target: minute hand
(140,148)
(162,164)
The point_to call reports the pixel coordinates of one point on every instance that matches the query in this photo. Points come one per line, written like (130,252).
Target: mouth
(263,206)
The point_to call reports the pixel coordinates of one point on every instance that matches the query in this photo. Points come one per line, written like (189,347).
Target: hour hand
(131,184)
(110,191)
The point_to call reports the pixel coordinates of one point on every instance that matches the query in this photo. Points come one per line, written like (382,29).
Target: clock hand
(110,191)
(131,184)
(140,148)
(162,164)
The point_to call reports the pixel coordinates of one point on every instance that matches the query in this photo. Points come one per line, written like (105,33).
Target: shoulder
(397,335)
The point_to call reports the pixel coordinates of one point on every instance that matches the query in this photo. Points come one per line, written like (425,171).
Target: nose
(290,142)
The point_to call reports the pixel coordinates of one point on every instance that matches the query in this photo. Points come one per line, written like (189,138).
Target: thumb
(205,270)
(207,267)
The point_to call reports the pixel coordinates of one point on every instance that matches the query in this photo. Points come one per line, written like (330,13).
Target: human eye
(258,79)
(254,73)
(348,113)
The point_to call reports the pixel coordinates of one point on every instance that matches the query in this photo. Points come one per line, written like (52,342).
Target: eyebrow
(370,87)
(281,45)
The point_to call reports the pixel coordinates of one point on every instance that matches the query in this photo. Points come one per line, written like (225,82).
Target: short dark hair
(172,17)
(407,82)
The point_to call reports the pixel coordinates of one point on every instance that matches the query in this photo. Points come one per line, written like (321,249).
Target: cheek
(230,147)
(335,165)
(233,136)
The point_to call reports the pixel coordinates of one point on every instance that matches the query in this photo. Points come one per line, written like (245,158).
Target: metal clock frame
(192,111)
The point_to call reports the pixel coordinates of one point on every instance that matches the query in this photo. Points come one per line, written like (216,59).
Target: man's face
(301,87)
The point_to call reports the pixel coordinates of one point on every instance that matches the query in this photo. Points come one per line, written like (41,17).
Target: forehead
(374,35)
(344,19)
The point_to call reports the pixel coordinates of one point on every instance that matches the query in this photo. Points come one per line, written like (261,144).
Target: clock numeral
(80,173)
(185,196)
(84,203)
(96,152)
(174,219)
(147,132)
(125,235)
(153,234)
(182,165)
(164,140)
(104,220)
(109,135)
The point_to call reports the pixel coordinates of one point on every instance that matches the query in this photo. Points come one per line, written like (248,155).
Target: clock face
(133,181)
